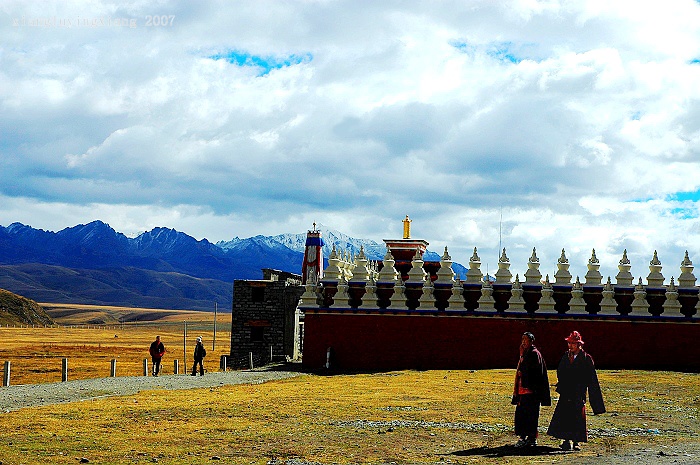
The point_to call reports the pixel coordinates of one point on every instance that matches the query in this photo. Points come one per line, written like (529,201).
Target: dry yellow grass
(80,314)
(35,353)
(327,419)
(403,417)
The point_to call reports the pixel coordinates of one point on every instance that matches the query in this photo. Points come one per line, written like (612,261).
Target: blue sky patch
(506,52)
(264,63)
(503,51)
(685,213)
(685,196)
(695,61)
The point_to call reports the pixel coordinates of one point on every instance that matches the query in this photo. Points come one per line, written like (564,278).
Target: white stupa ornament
(486,301)
(427,299)
(360,273)
(445,275)
(474,273)
(309,297)
(388,273)
(655,278)
(562,276)
(546,302)
(624,277)
(398,298)
(533,275)
(456,300)
(640,306)
(369,299)
(686,278)
(593,276)
(341,299)
(417,274)
(577,305)
(671,305)
(608,306)
(516,303)
(332,271)
(503,275)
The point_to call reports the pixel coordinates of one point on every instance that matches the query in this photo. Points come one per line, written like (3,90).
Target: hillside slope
(18,310)
(129,287)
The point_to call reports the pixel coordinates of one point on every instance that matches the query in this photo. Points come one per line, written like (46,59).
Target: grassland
(35,353)
(401,417)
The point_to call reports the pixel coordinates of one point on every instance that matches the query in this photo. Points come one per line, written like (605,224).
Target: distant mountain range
(161,268)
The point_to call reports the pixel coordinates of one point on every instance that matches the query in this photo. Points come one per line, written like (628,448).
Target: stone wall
(263,317)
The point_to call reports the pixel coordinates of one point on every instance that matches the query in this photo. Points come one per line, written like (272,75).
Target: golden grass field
(313,418)
(35,353)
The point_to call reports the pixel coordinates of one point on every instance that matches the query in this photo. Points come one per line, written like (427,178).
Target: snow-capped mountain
(93,263)
(331,237)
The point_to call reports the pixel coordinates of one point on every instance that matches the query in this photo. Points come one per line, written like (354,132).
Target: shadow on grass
(508,451)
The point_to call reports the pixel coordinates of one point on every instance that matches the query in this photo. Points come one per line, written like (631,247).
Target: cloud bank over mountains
(553,124)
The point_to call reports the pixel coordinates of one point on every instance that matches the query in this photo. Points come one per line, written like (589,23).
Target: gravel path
(34,395)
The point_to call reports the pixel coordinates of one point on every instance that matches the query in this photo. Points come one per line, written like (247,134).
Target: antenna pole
(500,235)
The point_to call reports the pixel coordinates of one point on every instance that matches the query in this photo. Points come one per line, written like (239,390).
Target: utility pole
(184,346)
(213,341)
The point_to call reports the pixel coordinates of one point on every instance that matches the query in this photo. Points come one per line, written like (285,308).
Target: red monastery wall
(375,341)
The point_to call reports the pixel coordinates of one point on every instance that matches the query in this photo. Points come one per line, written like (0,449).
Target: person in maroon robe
(576,375)
(157,350)
(531,390)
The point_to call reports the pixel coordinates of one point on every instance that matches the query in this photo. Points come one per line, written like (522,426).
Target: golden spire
(406,228)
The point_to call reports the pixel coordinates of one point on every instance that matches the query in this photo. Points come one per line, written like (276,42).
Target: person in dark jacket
(575,375)
(531,389)
(157,350)
(199,353)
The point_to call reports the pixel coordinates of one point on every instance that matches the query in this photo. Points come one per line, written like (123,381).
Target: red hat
(575,336)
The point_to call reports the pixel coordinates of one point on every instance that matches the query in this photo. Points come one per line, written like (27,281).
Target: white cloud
(579,120)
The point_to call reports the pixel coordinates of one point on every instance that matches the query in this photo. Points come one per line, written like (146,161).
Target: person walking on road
(199,353)
(531,390)
(157,350)
(576,375)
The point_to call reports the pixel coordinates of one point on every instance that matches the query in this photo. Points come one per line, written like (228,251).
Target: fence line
(224,363)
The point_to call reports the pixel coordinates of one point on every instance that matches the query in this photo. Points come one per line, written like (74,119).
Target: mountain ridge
(93,263)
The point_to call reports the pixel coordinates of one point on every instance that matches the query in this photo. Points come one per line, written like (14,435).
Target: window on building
(257,294)
(256,334)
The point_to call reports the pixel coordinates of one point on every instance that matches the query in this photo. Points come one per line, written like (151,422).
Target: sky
(519,124)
